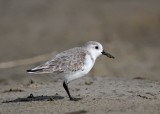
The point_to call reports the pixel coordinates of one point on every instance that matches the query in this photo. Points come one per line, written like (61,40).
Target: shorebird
(73,63)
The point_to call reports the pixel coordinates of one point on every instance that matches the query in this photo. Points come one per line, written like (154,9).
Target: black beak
(107,54)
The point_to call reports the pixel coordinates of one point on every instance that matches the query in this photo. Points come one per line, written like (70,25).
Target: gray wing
(66,62)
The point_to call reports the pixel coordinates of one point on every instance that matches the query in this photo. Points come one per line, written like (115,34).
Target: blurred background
(128,29)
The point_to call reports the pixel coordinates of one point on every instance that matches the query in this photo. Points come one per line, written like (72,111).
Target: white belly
(88,64)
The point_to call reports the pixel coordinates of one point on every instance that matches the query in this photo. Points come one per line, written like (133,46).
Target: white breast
(88,64)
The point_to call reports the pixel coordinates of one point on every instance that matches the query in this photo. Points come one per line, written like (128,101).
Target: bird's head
(96,49)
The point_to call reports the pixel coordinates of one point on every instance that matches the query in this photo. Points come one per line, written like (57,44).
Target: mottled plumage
(73,63)
(67,62)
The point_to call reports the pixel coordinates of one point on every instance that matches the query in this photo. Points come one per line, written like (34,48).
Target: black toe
(75,99)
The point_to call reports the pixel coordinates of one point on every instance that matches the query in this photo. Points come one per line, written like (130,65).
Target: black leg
(67,90)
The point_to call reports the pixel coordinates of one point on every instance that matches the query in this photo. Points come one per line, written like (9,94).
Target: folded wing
(67,62)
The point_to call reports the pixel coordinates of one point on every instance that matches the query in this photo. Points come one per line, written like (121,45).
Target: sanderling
(73,63)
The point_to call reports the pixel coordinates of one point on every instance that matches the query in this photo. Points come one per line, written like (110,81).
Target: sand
(100,95)
(129,30)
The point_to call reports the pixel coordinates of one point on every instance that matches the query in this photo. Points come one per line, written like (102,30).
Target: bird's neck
(93,55)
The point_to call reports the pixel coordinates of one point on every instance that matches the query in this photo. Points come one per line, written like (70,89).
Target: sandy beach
(30,30)
(99,95)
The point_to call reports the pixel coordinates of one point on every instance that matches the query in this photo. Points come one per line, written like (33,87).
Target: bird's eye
(96,47)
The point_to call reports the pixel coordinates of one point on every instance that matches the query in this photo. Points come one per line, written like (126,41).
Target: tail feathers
(34,70)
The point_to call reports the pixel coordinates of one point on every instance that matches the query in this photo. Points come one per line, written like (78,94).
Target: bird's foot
(75,99)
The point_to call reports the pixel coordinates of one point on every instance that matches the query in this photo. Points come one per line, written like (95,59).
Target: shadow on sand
(35,98)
